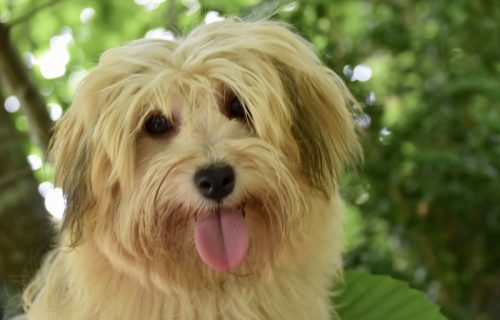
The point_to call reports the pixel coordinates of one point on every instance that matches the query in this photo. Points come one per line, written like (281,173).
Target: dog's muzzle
(221,234)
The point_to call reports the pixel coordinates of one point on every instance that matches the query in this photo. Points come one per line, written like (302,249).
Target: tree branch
(14,176)
(28,15)
(13,70)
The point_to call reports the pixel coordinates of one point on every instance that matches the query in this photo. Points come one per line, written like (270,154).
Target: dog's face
(201,154)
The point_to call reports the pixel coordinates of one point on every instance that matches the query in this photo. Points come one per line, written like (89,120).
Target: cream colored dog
(201,181)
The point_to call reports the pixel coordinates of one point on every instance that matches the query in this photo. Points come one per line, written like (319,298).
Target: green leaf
(373,297)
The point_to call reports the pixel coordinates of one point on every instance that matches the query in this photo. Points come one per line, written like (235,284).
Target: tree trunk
(25,232)
(17,79)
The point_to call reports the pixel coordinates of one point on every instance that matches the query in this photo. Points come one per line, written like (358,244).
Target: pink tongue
(221,238)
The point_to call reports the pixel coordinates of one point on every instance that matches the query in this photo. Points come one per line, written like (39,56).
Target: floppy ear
(81,163)
(71,153)
(322,124)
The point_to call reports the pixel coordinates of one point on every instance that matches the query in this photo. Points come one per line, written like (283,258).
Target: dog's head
(204,151)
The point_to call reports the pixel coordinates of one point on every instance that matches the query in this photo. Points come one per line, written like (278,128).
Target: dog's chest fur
(82,286)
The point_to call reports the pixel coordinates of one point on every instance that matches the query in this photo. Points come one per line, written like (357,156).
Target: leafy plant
(373,297)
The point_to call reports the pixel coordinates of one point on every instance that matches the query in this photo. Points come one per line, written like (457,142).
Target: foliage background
(424,207)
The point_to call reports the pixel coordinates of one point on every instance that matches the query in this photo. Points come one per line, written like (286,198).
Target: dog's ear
(71,153)
(80,163)
(322,124)
(81,160)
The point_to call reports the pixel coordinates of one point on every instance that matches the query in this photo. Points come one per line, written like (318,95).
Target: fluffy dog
(201,182)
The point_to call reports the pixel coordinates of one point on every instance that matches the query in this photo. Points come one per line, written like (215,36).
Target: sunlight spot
(213,16)
(160,33)
(362,198)
(193,6)
(290,7)
(370,98)
(363,120)
(149,4)
(29,59)
(75,77)
(55,202)
(362,73)
(44,188)
(12,104)
(87,14)
(35,161)
(46,91)
(385,132)
(347,70)
(55,111)
(53,62)
(358,107)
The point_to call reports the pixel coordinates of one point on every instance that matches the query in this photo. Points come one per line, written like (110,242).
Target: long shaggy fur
(126,248)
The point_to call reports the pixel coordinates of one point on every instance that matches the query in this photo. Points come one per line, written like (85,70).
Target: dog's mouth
(222,237)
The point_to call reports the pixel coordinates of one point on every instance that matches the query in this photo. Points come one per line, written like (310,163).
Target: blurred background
(424,206)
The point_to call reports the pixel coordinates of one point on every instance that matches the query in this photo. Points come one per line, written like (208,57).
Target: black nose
(215,182)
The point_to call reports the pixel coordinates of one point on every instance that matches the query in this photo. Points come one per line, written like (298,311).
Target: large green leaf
(372,297)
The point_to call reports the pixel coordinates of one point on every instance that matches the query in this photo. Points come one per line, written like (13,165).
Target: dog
(201,180)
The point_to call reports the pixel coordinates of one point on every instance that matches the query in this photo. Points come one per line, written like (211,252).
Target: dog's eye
(236,109)
(157,124)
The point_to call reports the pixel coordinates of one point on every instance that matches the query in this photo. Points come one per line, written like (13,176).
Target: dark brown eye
(236,109)
(157,124)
